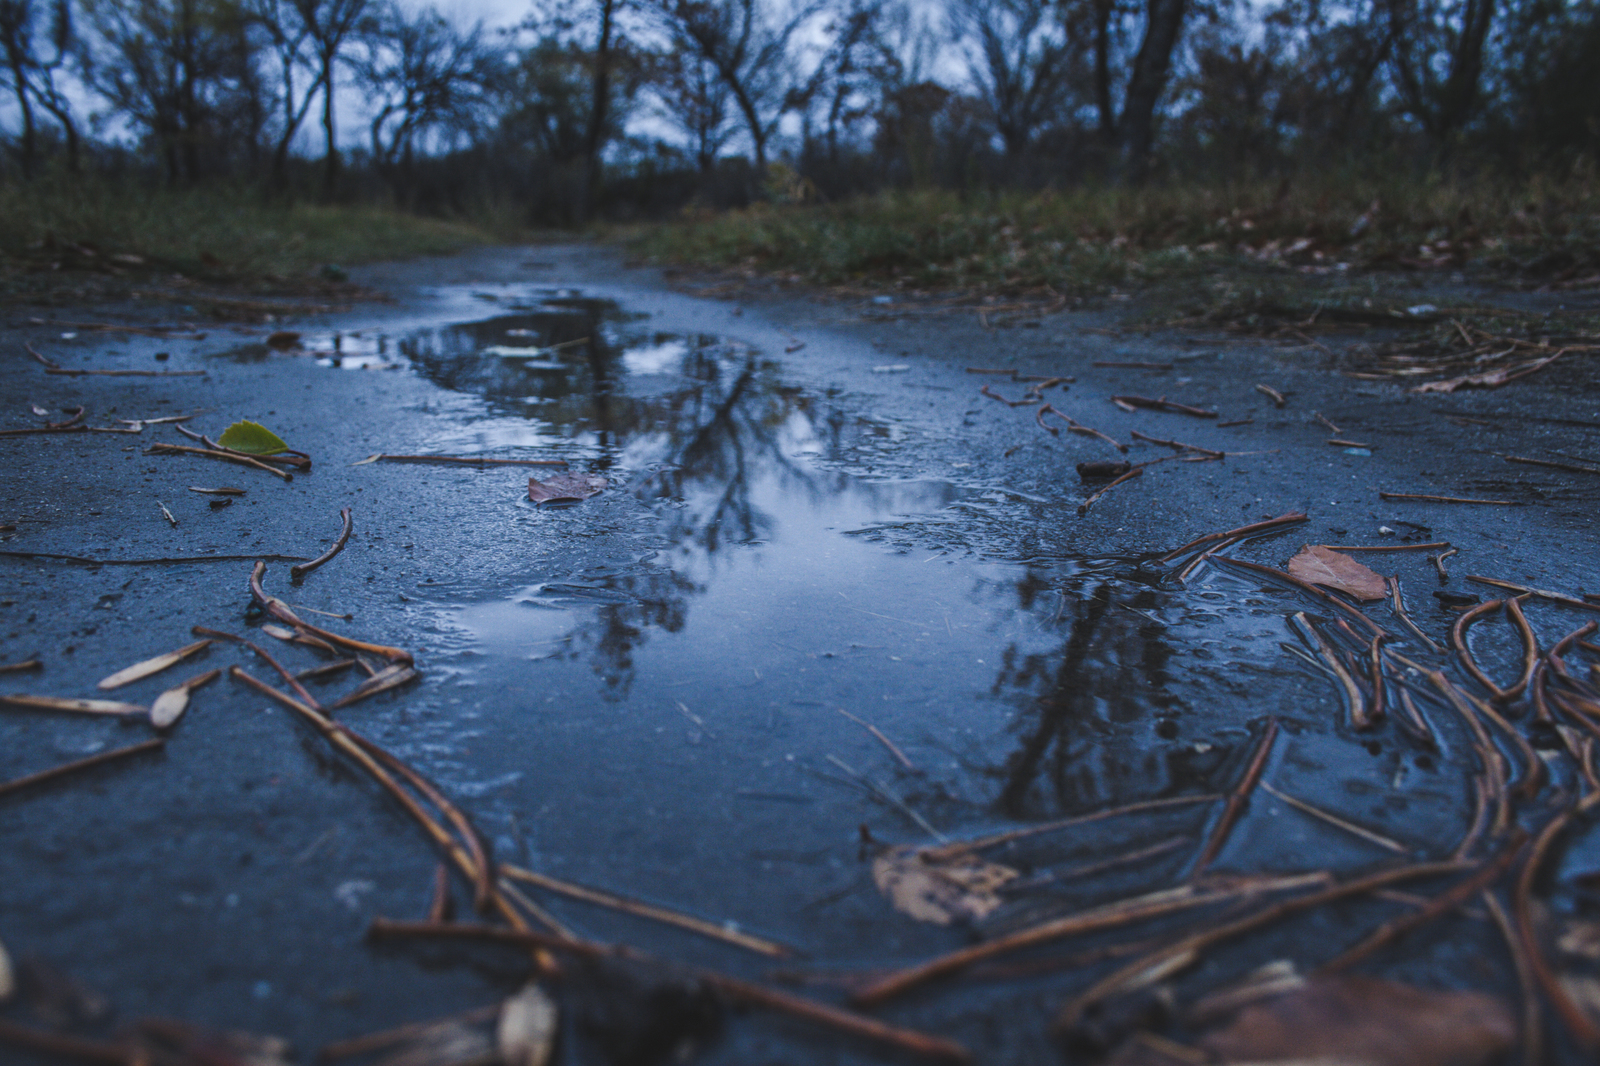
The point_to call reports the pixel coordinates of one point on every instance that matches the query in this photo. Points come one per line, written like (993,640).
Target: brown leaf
(939,890)
(1334,570)
(565,488)
(140,671)
(1367,1021)
(527,1029)
(1488,379)
(283,340)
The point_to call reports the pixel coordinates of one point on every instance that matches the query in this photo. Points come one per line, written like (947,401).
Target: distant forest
(639,108)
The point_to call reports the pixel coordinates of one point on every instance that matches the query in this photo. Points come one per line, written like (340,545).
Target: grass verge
(1093,241)
(92,237)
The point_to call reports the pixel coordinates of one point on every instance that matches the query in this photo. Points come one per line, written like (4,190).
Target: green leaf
(252,438)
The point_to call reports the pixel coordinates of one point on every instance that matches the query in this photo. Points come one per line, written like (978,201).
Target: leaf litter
(566,488)
(940,889)
(1335,570)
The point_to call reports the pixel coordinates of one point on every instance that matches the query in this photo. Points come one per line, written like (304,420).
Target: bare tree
(1022,58)
(748,50)
(33,73)
(329,24)
(421,75)
(1437,56)
(287,38)
(694,98)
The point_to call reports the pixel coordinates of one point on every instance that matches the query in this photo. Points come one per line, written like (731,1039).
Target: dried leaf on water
(1370,1021)
(526,1032)
(1330,569)
(62,703)
(939,889)
(283,340)
(140,671)
(565,488)
(252,438)
(1488,379)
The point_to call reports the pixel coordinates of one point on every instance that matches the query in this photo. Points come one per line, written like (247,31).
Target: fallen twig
(1164,404)
(1237,800)
(1179,446)
(1242,531)
(26,664)
(1531,1024)
(1320,417)
(1027,399)
(1400,613)
(1113,364)
(1458,638)
(389,677)
(1387,547)
(227,457)
(1273,394)
(140,670)
(1543,594)
(162,561)
(297,460)
(1076,427)
(403,1034)
(1574,467)
(1424,497)
(1308,587)
(73,706)
(20,783)
(459,459)
(1083,508)
(282,612)
(724,933)
(302,569)
(733,988)
(1438,563)
(1337,822)
(875,731)
(959,847)
(1582,1027)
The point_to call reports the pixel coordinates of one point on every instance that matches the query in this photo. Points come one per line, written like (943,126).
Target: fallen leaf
(139,671)
(252,438)
(283,340)
(527,1029)
(1367,1021)
(281,632)
(60,703)
(565,488)
(1488,379)
(1334,570)
(939,890)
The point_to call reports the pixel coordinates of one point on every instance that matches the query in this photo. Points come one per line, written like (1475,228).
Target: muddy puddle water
(776,646)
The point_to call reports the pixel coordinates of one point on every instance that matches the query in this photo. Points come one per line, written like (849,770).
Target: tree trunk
(1102,71)
(747,108)
(1466,65)
(594,142)
(20,83)
(330,171)
(1163,24)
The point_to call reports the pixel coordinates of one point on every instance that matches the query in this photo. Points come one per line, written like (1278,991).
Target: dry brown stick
(164,561)
(960,847)
(1320,417)
(1480,818)
(1083,508)
(1532,1021)
(368,755)
(1359,718)
(1177,445)
(34,431)
(294,681)
(1238,799)
(1558,466)
(992,370)
(298,460)
(463,460)
(1108,916)
(875,731)
(1446,901)
(1082,430)
(440,908)
(227,457)
(72,1047)
(1530,648)
(1380,686)
(301,570)
(1273,394)
(1334,820)
(44,361)
(1025,401)
(403,1034)
(1438,563)
(1387,547)
(1533,775)
(26,664)
(538,913)
(19,783)
(1306,586)
(733,988)
(1115,365)
(1243,531)
(1542,594)
(62,372)
(1419,727)
(1493,762)
(1089,869)
(1182,953)
(1200,560)
(1038,418)
(1583,1028)
(390,677)
(282,612)
(1164,404)
(1400,613)
(724,933)
(1443,499)
(1458,638)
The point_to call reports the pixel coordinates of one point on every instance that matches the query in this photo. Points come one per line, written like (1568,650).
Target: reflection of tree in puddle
(1077,700)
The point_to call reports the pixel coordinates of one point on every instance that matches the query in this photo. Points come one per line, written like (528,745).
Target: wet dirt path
(832,599)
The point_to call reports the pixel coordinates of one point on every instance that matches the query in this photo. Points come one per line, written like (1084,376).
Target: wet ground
(832,598)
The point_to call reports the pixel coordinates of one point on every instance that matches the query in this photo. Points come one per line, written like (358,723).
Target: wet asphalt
(811,508)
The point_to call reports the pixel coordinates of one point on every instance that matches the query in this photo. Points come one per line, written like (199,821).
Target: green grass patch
(1093,241)
(56,232)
